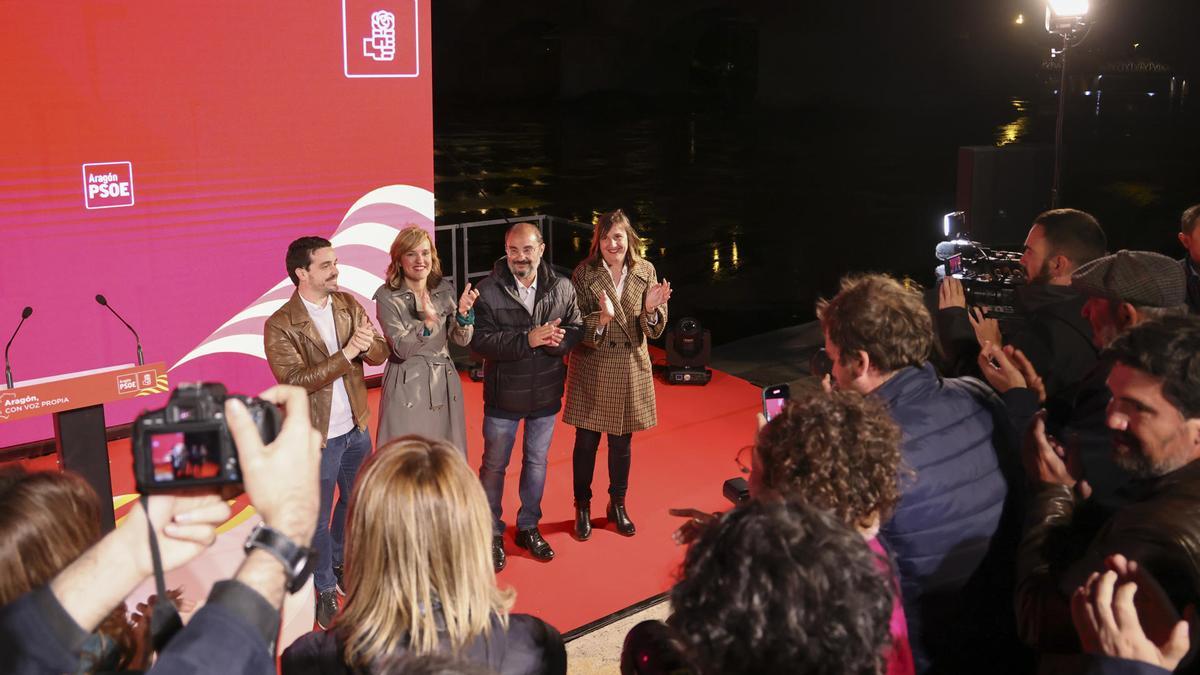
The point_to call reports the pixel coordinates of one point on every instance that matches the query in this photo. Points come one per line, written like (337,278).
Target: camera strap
(164,619)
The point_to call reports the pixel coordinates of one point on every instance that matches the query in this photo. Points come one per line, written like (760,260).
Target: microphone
(25,314)
(104,301)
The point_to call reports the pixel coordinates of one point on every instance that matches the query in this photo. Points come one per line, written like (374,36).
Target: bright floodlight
(1065,8)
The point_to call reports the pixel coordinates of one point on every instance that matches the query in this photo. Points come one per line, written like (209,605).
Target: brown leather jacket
(1160,530)
(297,355)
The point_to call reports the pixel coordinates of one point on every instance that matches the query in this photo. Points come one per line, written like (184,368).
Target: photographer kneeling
(235,631)
(1049,327)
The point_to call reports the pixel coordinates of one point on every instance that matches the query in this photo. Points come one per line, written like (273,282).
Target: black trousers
(583,461)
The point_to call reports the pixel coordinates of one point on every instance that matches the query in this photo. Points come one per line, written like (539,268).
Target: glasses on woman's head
(743,458)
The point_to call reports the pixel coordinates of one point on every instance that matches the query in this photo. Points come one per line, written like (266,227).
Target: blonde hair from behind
(409,238)
(420,534)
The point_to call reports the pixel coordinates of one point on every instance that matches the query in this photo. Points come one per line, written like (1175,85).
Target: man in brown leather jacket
(318,340)
(1154,421)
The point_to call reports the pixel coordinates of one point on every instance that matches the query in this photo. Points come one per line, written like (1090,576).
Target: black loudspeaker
(1002,189)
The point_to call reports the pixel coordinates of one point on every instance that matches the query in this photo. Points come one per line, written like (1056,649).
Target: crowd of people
(959,495)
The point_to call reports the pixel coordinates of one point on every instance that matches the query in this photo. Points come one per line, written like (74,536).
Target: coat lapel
(602,284)
(298,314)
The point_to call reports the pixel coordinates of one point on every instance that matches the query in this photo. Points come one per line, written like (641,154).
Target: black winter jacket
(520,381)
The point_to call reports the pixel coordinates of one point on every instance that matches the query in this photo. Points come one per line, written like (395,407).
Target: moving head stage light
(689,349)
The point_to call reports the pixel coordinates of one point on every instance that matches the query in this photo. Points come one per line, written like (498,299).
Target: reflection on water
(1016,130)
(763,211)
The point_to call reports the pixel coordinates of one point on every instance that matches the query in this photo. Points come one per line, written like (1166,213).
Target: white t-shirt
(341,416)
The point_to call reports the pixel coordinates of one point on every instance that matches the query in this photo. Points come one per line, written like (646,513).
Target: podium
(77,402)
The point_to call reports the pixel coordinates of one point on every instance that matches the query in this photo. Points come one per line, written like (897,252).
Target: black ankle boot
(618,516)
(583,519)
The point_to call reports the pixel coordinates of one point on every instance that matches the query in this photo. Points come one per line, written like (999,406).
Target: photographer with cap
(1153,418)
(235,631)
(1121,291)
(1049,327)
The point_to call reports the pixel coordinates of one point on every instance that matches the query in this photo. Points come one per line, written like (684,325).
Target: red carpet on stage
(680,463)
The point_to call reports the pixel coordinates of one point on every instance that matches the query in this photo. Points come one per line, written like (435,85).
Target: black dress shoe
(617,516)
(583,519)
(499,560)
(532,540)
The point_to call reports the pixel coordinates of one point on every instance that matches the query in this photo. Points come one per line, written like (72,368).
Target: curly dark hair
(780,586)
(1169,349)
(876,314)
(839,451)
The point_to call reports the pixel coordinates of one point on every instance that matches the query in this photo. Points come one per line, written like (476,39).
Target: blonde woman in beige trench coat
(417,310)
(610,386)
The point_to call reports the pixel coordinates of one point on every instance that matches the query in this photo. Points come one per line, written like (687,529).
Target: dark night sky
(513,48)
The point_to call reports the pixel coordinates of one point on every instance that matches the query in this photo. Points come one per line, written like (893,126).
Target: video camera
(187,443)
(990,277)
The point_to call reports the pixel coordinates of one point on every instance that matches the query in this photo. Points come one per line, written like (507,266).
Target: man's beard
(521,272)
(1129,455)
(1043,275)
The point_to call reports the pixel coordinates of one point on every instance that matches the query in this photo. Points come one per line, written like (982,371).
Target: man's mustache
(1126,439)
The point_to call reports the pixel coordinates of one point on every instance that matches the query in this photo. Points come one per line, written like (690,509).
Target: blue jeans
(339,466)
(499,434)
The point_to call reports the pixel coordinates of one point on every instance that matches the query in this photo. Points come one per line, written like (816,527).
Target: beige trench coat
(610,387)
(422,393)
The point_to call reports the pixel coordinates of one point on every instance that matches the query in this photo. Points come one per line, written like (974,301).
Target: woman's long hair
(420,536)
(606,222)
(409,238)
(47,520)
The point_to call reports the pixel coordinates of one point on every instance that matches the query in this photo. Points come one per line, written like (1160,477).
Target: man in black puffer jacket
(526,321)
(953,535)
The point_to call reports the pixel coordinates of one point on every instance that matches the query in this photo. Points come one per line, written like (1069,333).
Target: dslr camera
(990,277)
(187,444)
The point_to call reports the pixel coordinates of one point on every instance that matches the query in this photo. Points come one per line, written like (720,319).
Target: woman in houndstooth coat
(610,387)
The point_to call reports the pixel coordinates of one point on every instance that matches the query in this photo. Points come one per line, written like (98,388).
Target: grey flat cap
(1140,278)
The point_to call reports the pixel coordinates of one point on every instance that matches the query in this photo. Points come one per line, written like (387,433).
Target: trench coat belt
(436,371)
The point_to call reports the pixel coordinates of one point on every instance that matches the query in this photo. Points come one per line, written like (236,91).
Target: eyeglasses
(743,458)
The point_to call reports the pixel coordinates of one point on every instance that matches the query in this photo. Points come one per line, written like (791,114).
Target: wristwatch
(297,560)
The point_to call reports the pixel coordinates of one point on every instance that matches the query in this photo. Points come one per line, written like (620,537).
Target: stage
(680,463)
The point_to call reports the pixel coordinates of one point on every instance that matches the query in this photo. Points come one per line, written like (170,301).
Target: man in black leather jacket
(1154,420)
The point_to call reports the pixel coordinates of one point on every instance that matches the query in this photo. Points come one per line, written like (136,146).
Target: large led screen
(163,154)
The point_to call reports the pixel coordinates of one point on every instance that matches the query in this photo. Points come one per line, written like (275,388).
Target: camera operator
(236,629)
(1049,327)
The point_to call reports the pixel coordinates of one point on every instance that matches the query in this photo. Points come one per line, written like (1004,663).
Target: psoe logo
(127,383)
(107,185)
(380,38)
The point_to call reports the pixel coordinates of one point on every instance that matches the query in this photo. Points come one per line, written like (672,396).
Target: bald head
(523,247)
(523,229)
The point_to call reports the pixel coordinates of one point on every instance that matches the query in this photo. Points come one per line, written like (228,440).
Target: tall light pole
(1066,19)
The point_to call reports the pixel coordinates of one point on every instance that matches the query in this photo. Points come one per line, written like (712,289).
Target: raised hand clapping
(607,311)
(657,295)
(467,300)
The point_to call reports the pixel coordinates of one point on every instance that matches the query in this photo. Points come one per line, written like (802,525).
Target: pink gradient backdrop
(243,133)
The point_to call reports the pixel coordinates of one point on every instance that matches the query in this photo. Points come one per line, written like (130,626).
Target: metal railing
(459,268)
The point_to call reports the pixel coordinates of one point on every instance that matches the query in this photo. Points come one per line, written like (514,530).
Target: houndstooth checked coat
(610,387)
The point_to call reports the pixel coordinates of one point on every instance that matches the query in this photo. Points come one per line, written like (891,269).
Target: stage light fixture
(1066,19)
(689,348)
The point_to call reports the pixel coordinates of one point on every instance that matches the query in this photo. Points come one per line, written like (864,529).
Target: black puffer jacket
(1049,328)
(520,381)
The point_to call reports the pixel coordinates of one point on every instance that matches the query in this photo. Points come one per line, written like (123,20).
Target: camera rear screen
(182,456)
(954,264)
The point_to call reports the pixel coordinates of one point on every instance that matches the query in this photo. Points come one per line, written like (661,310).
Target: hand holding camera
(282,478)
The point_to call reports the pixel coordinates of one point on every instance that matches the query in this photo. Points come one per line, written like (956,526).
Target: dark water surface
(754,214)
